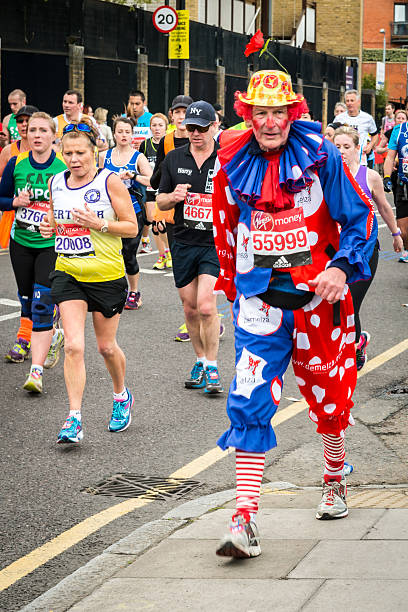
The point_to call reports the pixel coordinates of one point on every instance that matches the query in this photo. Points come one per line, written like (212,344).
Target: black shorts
(401,200)
(107,297)
(190,261)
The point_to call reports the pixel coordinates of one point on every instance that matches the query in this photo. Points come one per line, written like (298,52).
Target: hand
(86,218)
(387,184)
(23,199)
(329,284)
(46,230)
(397,244)
(367,149)
(180,192)
(3,139)
(125,176)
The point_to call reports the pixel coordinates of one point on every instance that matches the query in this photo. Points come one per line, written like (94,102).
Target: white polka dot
(313,238)
(341,372)
(350,320)
(351,420)
(343,341)
(342,434)
(302,341)
(350,338)
(349,393)
(335,333)
(296,171)
(319,393)
(302,287)
(222,272)
(329,408)
(315,301)
(214,231)
(276,391)
(294,332)
(333,372)
(313,416)
(230,199)
(222,216)
(315,320)
(349,363)
(300,381)
(230,238)
(315,360)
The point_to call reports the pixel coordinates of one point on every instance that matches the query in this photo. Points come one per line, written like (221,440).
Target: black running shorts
(189,261)
(107,297)
(401,201)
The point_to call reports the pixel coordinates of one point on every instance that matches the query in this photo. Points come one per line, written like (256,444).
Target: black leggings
(130,246)
(360,288)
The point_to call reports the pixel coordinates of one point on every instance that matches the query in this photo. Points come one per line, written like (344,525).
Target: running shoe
(333,504)
(404,257)
(361,353)
(242,541)
(212,380)
(121,415)
(34,382)
(146,247)
(169,261)
(71,432)
(134,301)
(55,350)
(196,380)
(160,263)
(182,334)
(19,352)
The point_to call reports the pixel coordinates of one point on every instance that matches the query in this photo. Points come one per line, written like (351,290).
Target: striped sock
(26,327)
(249,468)
(334,455)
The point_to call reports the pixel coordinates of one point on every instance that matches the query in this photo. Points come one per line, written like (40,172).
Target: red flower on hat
(255,44)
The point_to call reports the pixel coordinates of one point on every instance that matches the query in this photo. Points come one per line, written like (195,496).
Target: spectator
(100,116)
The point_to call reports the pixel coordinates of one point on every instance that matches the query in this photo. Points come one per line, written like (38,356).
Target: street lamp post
(382,31)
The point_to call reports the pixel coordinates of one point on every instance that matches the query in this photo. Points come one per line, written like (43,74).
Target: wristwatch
(104,227)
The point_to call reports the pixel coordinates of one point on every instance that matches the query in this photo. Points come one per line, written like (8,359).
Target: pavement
(357,563)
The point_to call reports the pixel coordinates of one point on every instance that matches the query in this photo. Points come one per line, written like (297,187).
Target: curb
(86,579)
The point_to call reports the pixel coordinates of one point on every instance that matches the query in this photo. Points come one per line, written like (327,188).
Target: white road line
(12,315)
(155,272)
(6,302)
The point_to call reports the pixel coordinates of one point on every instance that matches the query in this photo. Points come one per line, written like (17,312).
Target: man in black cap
(186,186)
(18,146)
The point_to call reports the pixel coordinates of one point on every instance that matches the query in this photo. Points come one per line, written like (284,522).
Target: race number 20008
(73,241)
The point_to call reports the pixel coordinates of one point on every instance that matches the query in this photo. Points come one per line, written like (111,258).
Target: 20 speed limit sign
(165,19)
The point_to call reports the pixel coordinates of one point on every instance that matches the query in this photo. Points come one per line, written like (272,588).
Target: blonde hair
(346,130)
(47,117)
(100,114)
(91,136)
(160,116)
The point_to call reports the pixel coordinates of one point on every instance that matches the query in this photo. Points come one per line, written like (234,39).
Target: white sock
(35,366)
(202,360)
(121,397)
(75,413)
(211,363)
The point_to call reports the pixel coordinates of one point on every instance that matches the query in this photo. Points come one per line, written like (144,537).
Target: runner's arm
(47,225)
(127,225)
(5,127)
(389,162)
(225,223)
(144,170)
(8,201)
(376,187)
(156,176)
(4,158)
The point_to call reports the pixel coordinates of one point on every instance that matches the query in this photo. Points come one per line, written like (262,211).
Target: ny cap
(200,113)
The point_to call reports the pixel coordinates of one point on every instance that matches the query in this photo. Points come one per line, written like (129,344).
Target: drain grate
(147,487)
(398,390)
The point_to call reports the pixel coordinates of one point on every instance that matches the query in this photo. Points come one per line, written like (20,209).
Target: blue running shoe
(121,415)
(212,380)
(71,432)
(196,380)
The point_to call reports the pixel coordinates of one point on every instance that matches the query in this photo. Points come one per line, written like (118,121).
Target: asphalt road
(42,483)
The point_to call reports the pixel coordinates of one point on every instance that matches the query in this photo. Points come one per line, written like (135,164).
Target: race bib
(30,217)
(280,240)
(405,165)
(71,240)
(198,212)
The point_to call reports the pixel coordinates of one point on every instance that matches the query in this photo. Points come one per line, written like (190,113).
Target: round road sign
(165,19)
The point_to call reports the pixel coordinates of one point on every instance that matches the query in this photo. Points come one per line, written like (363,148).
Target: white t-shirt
(363,123)
(101,136)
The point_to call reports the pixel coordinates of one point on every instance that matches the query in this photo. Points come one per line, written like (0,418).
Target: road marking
(33,560)
(7,302)
(12,315)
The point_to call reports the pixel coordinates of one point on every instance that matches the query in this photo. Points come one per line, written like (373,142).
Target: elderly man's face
(271,126)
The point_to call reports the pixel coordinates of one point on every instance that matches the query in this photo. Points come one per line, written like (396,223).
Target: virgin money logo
(253,364)
(265,308)
(245,241)
(263,222)
(271,81)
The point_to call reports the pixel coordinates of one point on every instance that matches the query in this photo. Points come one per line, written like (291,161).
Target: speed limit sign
(165,19)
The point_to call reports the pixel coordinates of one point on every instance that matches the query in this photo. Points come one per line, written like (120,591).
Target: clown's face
(271,126)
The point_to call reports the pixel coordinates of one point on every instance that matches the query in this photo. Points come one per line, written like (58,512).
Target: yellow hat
(270,88)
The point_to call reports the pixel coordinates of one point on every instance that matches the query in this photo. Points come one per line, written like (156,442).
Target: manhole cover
(148,487)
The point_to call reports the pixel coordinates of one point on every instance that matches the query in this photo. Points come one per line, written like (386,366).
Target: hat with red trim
(270,88)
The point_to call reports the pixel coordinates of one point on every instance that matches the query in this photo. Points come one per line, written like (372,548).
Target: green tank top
(27,172)
(12,128)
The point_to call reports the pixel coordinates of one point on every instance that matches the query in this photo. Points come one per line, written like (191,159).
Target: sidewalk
(357,563)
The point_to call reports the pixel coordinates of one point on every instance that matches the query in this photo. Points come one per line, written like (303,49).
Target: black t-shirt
(179,167)
(160,155)
(149,149)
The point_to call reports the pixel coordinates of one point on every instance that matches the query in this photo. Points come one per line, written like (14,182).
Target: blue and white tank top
(131,166)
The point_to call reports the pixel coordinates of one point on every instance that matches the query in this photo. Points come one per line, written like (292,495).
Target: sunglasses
(199,128)
(82,128)
(22,120)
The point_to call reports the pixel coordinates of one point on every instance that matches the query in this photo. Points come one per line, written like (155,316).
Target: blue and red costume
(307,187)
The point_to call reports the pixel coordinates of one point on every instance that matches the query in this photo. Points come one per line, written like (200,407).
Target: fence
(36,34)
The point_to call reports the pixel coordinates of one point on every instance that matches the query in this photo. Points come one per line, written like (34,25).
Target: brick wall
(377,15)
(286,15)
(395,78)
(338,27)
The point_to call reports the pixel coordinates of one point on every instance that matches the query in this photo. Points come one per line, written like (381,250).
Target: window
(400,12)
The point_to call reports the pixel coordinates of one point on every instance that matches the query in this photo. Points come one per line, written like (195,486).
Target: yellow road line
(27,564)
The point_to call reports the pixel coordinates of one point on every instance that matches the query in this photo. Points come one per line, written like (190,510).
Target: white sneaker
(55,350)
(242,541)
(333,504)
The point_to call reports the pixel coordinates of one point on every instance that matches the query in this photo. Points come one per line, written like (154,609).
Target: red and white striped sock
(249,468)
(334,455)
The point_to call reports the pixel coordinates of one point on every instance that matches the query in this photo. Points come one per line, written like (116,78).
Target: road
(43,483)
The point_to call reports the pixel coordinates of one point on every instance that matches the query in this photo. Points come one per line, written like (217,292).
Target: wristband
(387,176)
(396,233)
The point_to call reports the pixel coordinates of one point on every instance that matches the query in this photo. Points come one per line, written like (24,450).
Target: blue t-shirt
(130,184)
(399,142)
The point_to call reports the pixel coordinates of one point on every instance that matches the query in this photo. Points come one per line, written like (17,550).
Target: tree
(381,95)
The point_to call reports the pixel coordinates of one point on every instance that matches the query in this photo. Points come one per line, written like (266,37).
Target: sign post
(165,19)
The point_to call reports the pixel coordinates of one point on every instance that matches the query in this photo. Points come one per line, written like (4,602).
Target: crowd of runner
(235,210)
